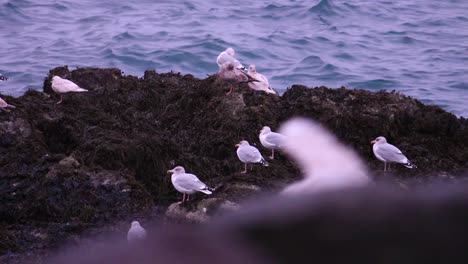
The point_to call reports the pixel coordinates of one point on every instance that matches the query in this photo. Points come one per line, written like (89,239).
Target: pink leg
(188,197)
(230,90)
(60,100)
(272,154)
(245,168)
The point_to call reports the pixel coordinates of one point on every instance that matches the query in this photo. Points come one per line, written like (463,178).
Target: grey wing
(391,153)
(190,182)
(275,139)
(250,154)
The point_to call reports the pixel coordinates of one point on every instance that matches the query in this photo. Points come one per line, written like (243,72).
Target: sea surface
(417,47)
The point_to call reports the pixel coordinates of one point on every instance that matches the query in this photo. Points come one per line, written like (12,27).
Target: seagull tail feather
(410,165)
(264,162)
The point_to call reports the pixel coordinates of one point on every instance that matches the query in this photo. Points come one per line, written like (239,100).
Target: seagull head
(379,140)
(231,51)
(177,170)
(265,129)
(135,223)
(56,78)
(242,143)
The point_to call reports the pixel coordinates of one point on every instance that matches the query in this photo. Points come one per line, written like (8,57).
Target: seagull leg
(272,154)
(388,169)
(230,90)
(245,168)
(188,197)
(59,102)
(183,199)
(385,167)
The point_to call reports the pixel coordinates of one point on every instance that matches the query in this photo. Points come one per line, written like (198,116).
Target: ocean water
(417,47)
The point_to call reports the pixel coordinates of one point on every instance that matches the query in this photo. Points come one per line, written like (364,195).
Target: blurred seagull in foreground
(271,140)
(262,84)
(249,154)
(388,153)
(229,73)
(229,55)
(4,105)
(325,163)
(61,86)
(187,183)
(136,233)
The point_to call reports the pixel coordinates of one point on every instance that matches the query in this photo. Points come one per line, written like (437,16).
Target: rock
(199,212)
(127,132)
(69,162)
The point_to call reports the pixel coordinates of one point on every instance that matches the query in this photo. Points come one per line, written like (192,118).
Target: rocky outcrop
(103,155)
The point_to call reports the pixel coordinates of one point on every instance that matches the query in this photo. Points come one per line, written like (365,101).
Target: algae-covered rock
(103,155)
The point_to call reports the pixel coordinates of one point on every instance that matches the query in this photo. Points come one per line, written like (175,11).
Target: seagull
(4,105)
(271,140)
(229,55)
(389,154)
(326,164)
(61,86)
(249,154)
(3,78)
(262,84)
(136,233)
(229,73)
(187,183)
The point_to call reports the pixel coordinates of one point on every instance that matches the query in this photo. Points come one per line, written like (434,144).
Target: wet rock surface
(103,155)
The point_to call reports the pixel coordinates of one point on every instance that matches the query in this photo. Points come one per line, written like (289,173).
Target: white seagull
(271,140)
(4,105)
(325,163)
(388,153)
(229,55)
(136,233)
(61,86)
(262,84)
(249,154)
(187,183)
(229,73)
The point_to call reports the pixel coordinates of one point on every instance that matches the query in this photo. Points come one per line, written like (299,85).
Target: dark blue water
(418,47)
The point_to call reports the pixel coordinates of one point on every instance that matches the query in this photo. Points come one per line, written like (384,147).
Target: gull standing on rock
(229,55)
(187,183)
(326,164)
(249,154)
(388,153)
(229,73)
(136,233)
(262,84)
(271,140)
(61,86)
(4,105)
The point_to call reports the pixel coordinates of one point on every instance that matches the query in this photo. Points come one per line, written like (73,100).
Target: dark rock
(125,133)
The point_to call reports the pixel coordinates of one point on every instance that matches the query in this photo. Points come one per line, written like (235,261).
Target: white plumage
(249,154)
(61,86)
(136,233)
(4,105)
(187,183)
(388,153)
(325,163)
(229,55)
(262,84)
(271,140)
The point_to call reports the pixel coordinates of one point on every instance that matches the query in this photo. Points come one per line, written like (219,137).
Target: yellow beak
(170,171)
(373,142)
(237,145)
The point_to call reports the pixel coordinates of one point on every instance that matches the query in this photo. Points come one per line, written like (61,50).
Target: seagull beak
(170,171)
(237,145)
(373,142)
